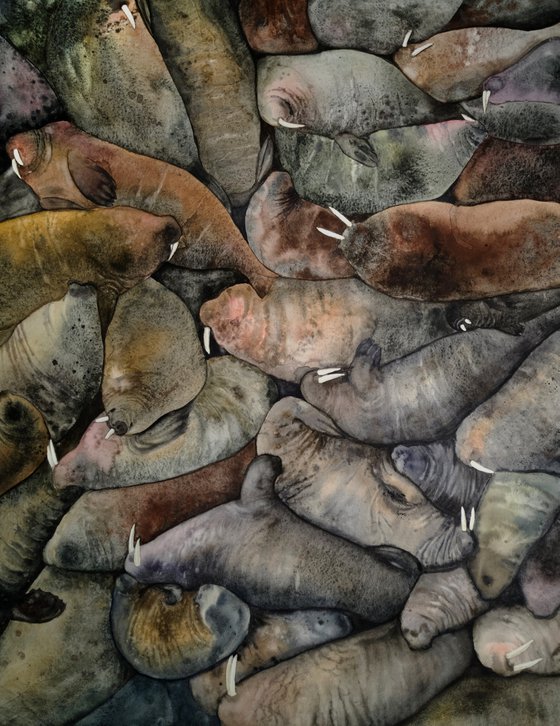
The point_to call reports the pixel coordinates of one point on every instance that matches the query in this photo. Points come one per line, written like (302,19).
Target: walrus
(343,94)
(439,603)
(304,324)
(67,168)
(413,164)
(510,640)
(490,249)
(203,46)
(507,13)
(42,253)
(379,27)
(154,362)
(23,439)
(456,63)
(422,396)
(369,678)
(270,558)
(55,358)
(277,26)
(353,490)
(165,632)
(523,122)
(273,637)
(222,419)
(515,512)
(93,534)
(516,428)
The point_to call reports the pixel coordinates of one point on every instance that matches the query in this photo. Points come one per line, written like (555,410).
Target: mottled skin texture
(424,395)
(536,77)
(72,665)
(55,358)
(414,163)
(508,13)
(517,428)
(379,26)
(66,167)
(23,439)
(25,25)
(273,637)
(257,548)
(372,678)
(114,82)
(539,576)
(165,632)
(304,324)
(524,122)
(223,418)
(352,490)
(17,198)
(506,170)
(504,629)
(93,535)
(210,63)
(441,476)
(26,99)
(282,232)
(277,26)
(514,513)
(458,62)
(440,602)
(438,251)
(41,254)
(154,362)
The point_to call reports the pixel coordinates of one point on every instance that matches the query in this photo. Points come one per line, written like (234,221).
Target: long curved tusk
(463,520)
(524,666)
(406,39)
(328,233)
(485,98)
(421,49)
(327,371)
(15,168)
(131,539)
(17,157)
(129,15)
(479,467)
(342,218)
(137,557)
(330,377)
(521,649)
(289,124)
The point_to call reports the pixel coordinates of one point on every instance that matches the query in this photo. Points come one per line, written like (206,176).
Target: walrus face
(283,96)
(235,318)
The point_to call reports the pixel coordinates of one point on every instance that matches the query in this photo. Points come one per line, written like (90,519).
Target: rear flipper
(38,606)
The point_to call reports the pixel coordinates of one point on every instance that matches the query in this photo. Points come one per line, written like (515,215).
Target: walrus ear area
(94,182)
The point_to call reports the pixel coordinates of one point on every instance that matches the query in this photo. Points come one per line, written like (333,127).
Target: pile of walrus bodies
(279,362)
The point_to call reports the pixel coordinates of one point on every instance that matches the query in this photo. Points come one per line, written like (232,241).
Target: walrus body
(66,167)
(507,13)
(539,577)
(277,26)
(523,122)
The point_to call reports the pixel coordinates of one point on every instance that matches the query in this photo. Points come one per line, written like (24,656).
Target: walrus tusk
(470,119)
(479,467)
(524,666)
(206,339)
(472,519)
(485,98)
(521,649)
(342,218)
(109,433)
(231,668)
(173,250)
(137,557)
(327,371)
(328,233)
(463,327)
(131,539)
(330,377)
(17,156)
(51,454)
(289,124)
(421,49)
(406,39)
(102,419)
(15,168)
(129,15)
(463,520)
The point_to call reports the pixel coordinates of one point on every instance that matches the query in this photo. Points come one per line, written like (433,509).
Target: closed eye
(395,495)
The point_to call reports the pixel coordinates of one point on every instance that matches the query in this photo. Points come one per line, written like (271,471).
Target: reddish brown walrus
(277,26)
(66,167)
(42,253)
(436,251)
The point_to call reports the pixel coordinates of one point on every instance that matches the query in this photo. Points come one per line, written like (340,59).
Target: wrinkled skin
(165,632)
(422,396)
(539,576)
(524,122)
(23,439)
(503,630)
(517,428)
(514,513)
(352,490)
(154,362)
(273,637)
(300,566)
(439,603)
(412,164)
(370,678)
(55,358)
(305,324)
(277,26)
(223,418)
(67,168)
(509,13)
(458,62)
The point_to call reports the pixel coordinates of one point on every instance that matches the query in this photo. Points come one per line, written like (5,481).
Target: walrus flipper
(38,606)
(358,149)
(94,182)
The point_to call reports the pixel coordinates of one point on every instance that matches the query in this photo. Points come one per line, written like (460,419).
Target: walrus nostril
(170,233)
(13,412)
(120,427)
(487,580)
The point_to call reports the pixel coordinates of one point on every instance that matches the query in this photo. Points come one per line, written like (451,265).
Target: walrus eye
(395,495)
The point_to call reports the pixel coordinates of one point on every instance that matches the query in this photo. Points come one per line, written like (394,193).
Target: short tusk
(472,519)
(524,666)
(479,467)
(342,218)
(328,233)
(109,433)
(421,49)
(470,119)
(206,339)
(129,15)
(102,419)
(289,124)
(406,39)
(231,669)
(463,327)
(17,157)
(327,371)
(521,649)
(173,250)
(137,558)
(53,453)
(15,168)
(468,321)
(463,520)
(330,377)
(485,98)
(131,539)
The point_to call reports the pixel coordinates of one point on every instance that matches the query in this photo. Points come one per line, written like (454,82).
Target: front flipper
(464,316)
(92,180)
(38,606)
(358,149)
(367,360)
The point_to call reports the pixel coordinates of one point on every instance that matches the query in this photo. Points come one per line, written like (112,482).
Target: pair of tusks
(472,520)
(103,419)
(134,547)
(517,651)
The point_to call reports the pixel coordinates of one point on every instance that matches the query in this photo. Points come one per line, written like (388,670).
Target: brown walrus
(68,168)
(41,254)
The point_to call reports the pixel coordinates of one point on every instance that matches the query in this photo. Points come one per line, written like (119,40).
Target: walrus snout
(170,232)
